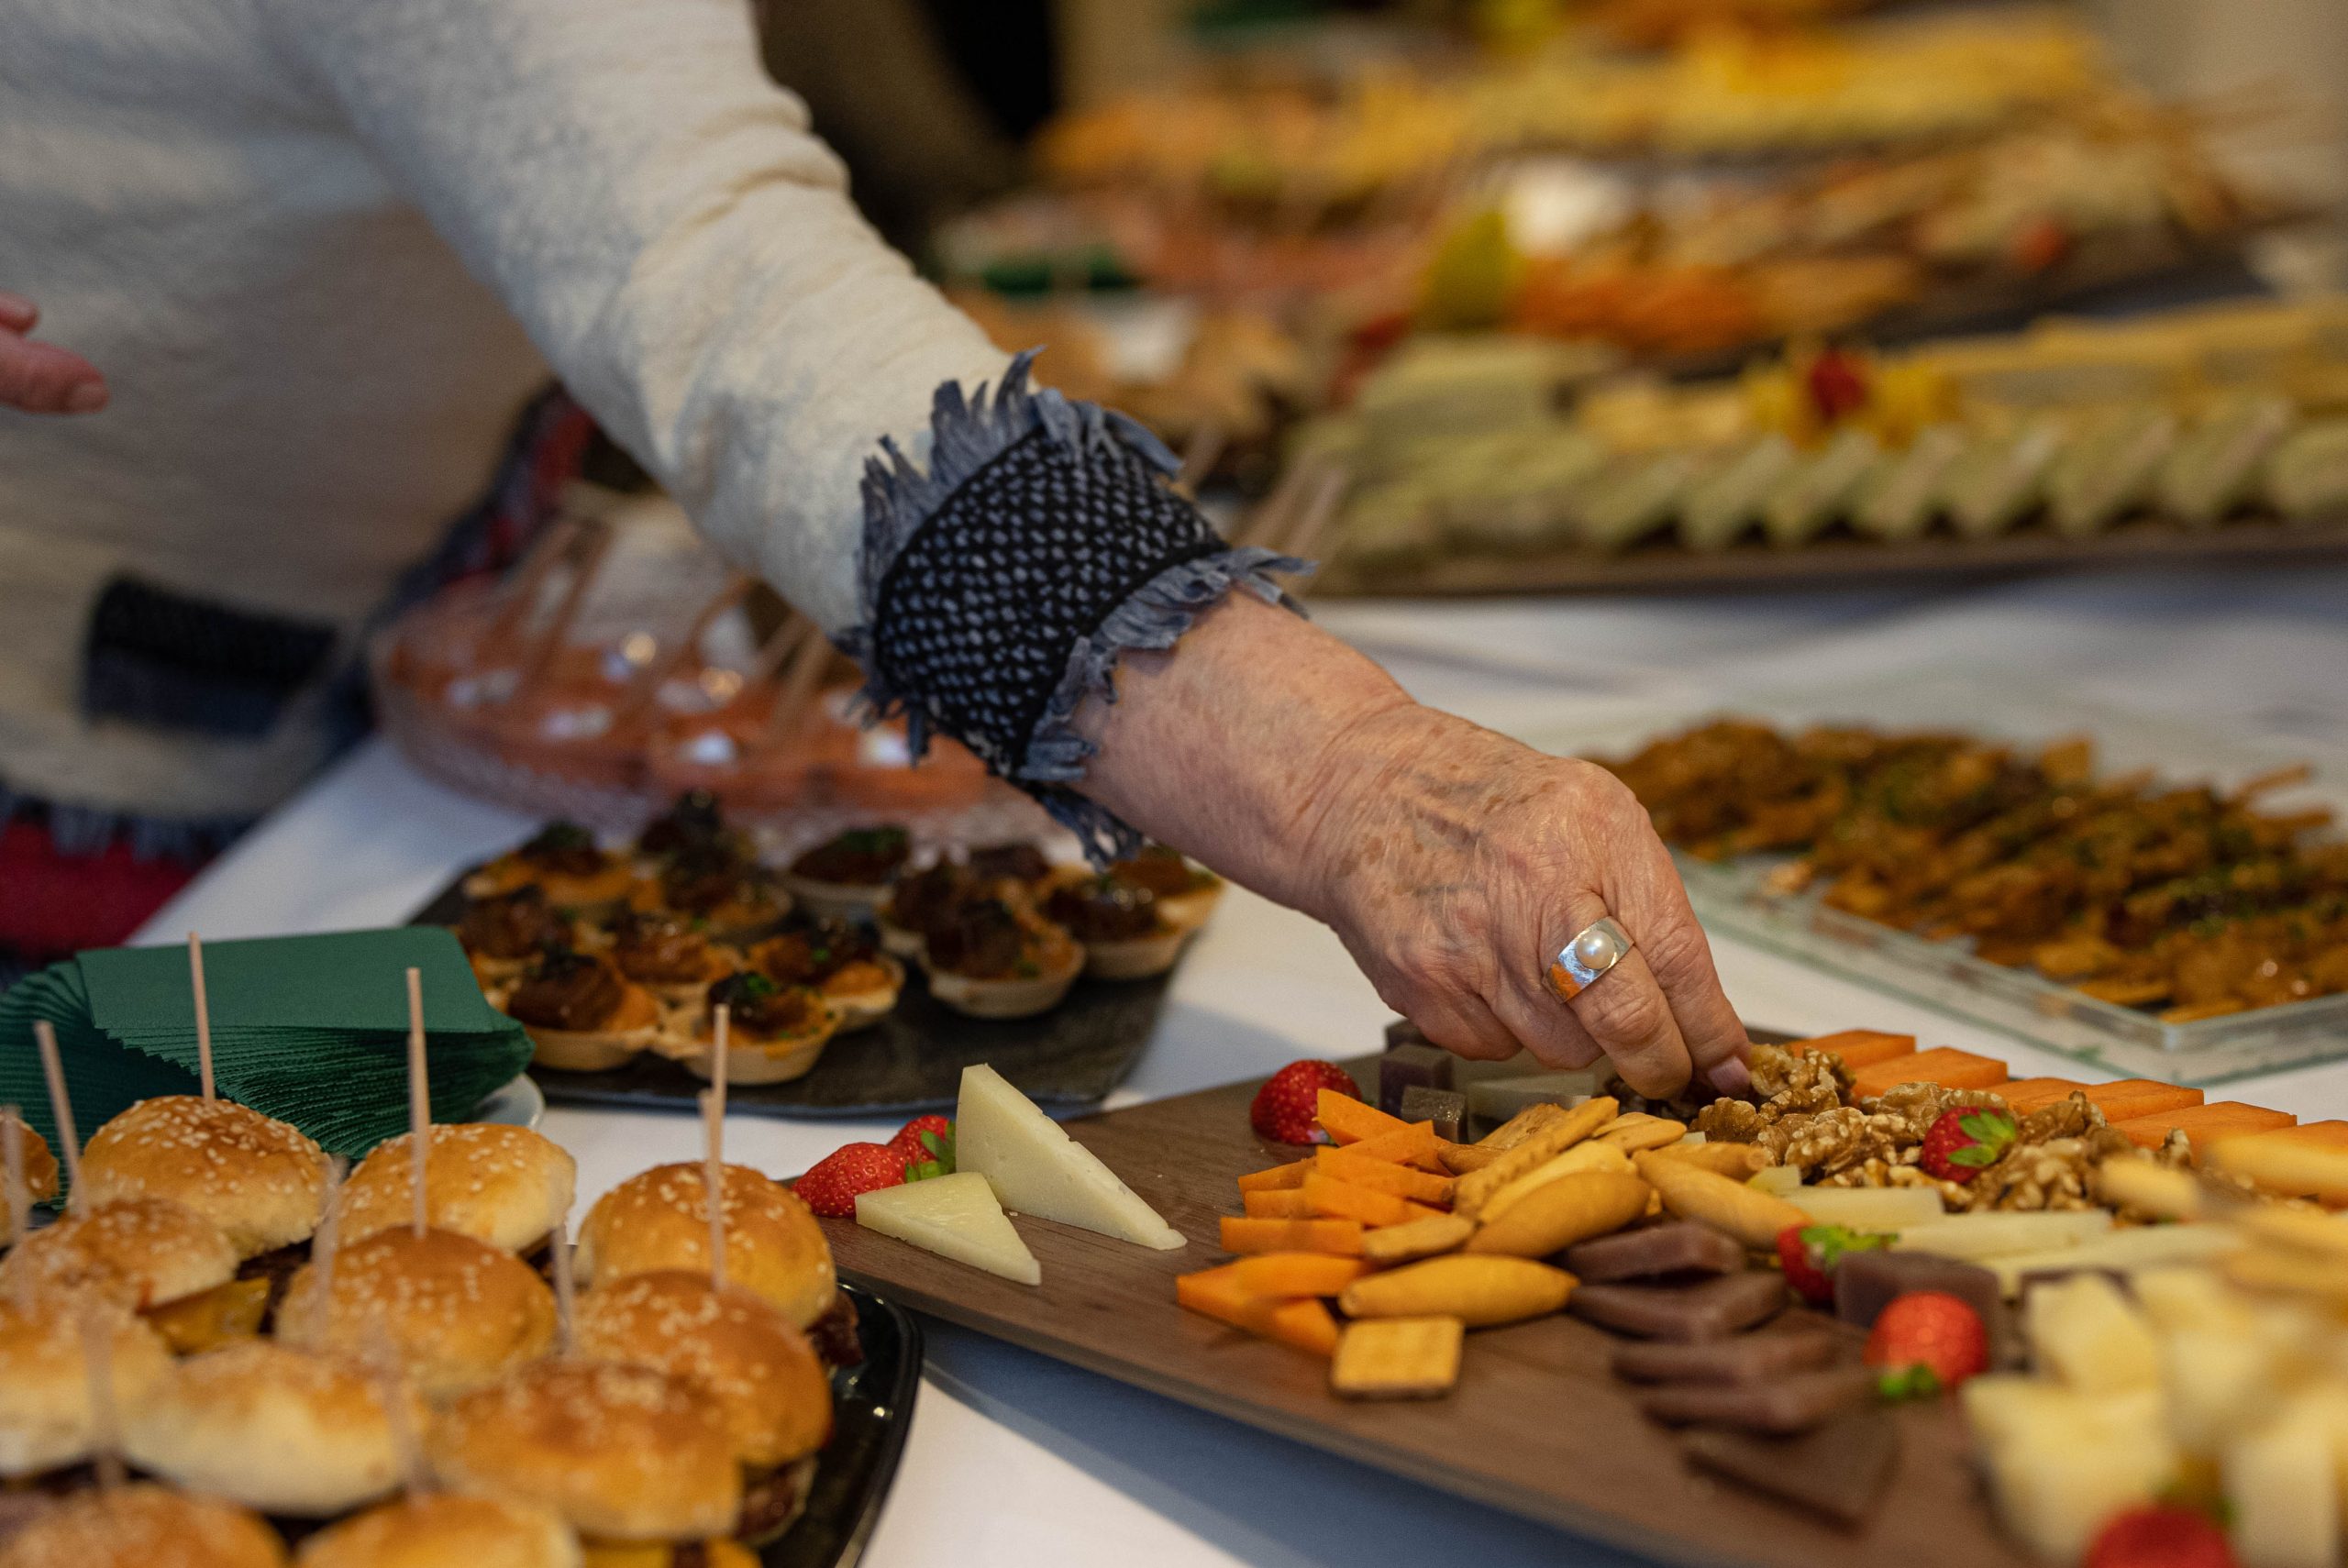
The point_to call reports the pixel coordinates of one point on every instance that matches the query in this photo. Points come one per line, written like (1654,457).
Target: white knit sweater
(298,236)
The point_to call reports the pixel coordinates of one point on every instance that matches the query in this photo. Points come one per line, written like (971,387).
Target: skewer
(391,1387)
(1269,520)
(800,679)
(203,1015)
(97,1368)
(793,630)
(713,1110)
(326,1242)
(420,1102)
(575,598)
(1313,519)
(61,1106)
(566,1288)
(1198,456)
(520,594)
(644,691)
(11,1169)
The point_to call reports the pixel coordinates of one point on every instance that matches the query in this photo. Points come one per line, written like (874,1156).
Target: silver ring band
(1595,949)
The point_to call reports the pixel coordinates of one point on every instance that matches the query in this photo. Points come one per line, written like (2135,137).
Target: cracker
(1396,1358)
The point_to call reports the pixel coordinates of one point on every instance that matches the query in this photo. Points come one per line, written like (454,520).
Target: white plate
(518,1104)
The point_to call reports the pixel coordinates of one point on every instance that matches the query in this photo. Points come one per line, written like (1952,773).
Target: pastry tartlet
(859,982)
(564,861)
(921,900)
(773,1034)
(732,896)
(504,933)
(1186,894)
(581,1013)
(668,953)
(693,822)
(995,958)
(847,878)
(1118,922)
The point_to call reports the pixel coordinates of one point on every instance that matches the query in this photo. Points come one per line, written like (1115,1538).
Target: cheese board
(1538,1425)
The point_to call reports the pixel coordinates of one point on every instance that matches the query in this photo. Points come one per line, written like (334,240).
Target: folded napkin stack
(311,1029)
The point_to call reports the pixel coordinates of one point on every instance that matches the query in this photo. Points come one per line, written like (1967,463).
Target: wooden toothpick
(391,1387)
(419,1103)
(713,1110)
(11,1169)
(323,1247)
(97,1367)
(61,1106)
(566,1288)
(202,1015)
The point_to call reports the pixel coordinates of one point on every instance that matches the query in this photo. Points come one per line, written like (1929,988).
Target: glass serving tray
(1735,899)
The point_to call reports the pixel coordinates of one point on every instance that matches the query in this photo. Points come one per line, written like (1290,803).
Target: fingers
(1546,1026)
(1463,1025)
(42,378)
(18,314)
(1625,1012)
(1682,961)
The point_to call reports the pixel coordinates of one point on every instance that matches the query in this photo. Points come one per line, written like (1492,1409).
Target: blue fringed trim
(967,434)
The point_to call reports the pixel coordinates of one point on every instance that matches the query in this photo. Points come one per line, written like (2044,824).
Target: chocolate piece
(1447,1111)
(1742,1358)
(1677,1247)
(1497,1099)
(1867,1281)
(1406,1067)
(1794,1403)
(1403,1032)
(1711,1311)
(1840,1469)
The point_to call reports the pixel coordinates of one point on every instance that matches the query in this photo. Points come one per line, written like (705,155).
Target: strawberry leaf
(1974,1156)
(1913,1381)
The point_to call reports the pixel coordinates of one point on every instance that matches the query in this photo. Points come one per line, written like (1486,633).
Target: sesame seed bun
(143,1527)
(506,1185)
(441,1529)
(659,1220)
(457,1311)
(45,1386)
(136,1251)
(733,1346)
(258,1179)
(622,1452)
(280,1430)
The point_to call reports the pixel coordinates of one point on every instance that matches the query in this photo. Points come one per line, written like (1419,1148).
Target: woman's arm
(42,378)
(1455,863)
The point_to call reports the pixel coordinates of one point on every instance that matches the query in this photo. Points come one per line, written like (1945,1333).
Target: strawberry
(1811,1251)
(1925,1343)
(831,1186)
(927,1144)
(1838,384)
(1285,1108)
(2160,1537)
(1963,1142)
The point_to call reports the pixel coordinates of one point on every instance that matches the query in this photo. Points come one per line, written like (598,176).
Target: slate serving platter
(872,1409)
(912,1060)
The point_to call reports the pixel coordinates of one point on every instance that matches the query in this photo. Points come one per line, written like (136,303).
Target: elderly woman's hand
(1453,862)
(42,378)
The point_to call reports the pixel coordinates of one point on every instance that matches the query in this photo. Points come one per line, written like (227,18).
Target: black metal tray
(910,1061)
(872,1409)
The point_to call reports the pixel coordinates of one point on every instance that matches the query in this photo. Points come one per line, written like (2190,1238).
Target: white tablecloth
(1017,1461)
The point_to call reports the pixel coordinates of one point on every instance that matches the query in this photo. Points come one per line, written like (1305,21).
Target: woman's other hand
(42,378)
(1453,862)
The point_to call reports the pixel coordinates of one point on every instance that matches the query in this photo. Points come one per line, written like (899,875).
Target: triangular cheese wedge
(956,1216)
(1037,1169)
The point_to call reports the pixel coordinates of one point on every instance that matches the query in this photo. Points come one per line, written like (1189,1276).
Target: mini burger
(45,1425)
(506,1185)
(1125,937)
(40,1178)
(457,1312)
(740,1350)
(285,1431)
(773,1034)
(165,1261)
(855,980)
(503,933)
(846,877)
(659,1219)
(143,1527)
(1186,894)
(994,959)
(581,1014)
(637,1461)
(443,1530)
(259,1180)
(668,953)
(564,862)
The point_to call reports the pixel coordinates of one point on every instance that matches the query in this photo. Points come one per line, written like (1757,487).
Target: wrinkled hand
(1456,863)
(42,378)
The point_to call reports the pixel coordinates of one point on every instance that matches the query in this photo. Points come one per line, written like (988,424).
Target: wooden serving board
(1538,1425)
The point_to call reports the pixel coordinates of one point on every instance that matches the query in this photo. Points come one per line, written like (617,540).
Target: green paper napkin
(311,1029)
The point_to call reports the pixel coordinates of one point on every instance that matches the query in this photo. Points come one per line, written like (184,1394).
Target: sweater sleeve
(680,246)
(683,251)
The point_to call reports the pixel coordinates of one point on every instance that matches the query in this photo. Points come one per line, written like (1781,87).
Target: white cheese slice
(956,1216)
(1037,1169)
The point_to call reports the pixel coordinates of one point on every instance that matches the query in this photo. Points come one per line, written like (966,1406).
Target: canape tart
(1186,894)
(563,861)
(1123,934)
(774,1033)
(859,982)
(998,958)
(669,954)
(847,878)
(581,1013)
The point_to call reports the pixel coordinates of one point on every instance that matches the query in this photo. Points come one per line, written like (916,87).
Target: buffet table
(1017,1460)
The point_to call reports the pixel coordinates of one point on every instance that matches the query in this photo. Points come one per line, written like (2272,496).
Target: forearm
(1234,744)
